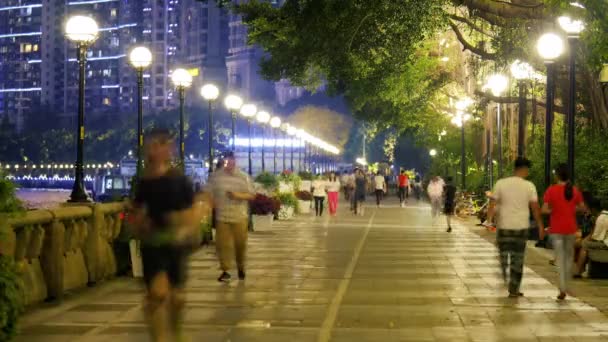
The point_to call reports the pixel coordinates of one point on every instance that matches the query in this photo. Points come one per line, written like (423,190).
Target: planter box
(262,222)
(285,187)
(286,213)
(305,206)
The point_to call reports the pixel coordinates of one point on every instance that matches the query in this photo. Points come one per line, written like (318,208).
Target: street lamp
(498,84)
(433,152)
(263,118)
(210,93)
(573,28)
(249,111)
(459,120)
(140,58)
(522,72)
(300,134)
(182,80)
(292,131)
(550,46)
(234,104)
(275,123)
(284,127)
(83,31)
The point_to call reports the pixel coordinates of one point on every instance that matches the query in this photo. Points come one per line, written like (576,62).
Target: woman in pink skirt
(333,189)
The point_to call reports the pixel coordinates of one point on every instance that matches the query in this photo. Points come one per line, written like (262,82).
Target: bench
(598,263)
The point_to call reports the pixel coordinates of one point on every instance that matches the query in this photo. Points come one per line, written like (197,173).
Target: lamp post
(275,123)
(210,93)
(550,46)
(573,28)
(459,121)
(263,118)
(249,111)
(498,84)
(182,80)
(284,127)
(522,72)
(300,134)
(140,58)
(234,104)
(83,31)
(292,131)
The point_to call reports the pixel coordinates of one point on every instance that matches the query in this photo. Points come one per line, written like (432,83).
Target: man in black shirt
(449,192)
(165,222)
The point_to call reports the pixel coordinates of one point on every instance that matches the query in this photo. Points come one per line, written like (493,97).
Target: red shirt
(403,180)
(563,212)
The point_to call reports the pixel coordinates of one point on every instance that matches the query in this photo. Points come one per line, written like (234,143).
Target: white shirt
(318,187)
(379,181)
(600,232)
(333,186)
(513,196)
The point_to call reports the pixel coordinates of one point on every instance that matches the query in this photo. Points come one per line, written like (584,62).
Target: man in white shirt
(510,203)
(435,192)
(380,187)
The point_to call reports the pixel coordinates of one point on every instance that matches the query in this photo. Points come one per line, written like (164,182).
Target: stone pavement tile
(376,335)
(272,335)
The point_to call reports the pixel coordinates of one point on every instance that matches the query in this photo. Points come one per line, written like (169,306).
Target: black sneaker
(449,229)
(241,275)
(225,277)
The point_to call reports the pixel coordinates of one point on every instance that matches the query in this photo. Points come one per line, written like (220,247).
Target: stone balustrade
(62,249)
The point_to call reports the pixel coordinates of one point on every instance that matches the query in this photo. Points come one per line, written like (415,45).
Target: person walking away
(435,192)
(418,186)
(360,191)
(350,183)
(166,221)
(379,187)
(333,191)
(561,202)
(511,201)
(404,183)
(344,184)
(231,190)
(319,190)
(449,191)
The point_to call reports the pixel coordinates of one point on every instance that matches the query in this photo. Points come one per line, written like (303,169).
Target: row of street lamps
(550,47)
(83,30)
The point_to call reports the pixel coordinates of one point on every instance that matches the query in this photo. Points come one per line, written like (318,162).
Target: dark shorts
(169,259)
(448,208)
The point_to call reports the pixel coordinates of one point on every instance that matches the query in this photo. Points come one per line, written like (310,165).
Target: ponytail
(569,191)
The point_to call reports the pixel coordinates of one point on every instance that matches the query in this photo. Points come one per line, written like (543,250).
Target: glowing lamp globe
(263,117)
(249,110)
(433,152)
(571,26)
(498,84)
(550,46)
(275,122)
(181,78)
(81,29)
(140,57)
(233,102)
(210,92)
(292,130)
(284,126)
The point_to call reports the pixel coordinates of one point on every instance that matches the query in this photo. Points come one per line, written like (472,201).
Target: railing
(62,249)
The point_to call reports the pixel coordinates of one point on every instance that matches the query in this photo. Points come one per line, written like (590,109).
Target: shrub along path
(390,275)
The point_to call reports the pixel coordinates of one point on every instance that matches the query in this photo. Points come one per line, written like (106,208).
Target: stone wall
(62,249)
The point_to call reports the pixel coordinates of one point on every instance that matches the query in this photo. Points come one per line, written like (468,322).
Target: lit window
(106,101)
(113,13)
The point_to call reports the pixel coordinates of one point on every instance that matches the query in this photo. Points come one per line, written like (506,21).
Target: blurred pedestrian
(449,192)
(511,201)
(561,202)
(380,187)
(404,184)
(231,190)
(360,191)
(319,190)
(333,191)
(435,192)
(166,222)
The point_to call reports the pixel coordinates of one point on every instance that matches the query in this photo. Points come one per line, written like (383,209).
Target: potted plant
(289,182)
(306,180)
(289,205)
(268,181)
(262,210)
(305,200)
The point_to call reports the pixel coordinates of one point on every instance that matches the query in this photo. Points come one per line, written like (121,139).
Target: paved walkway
(388,276)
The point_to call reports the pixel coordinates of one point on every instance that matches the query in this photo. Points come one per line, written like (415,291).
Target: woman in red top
(561,202)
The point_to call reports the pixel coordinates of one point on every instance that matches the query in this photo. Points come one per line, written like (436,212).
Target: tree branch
(515,99)
(504,9)
(470,24)
(468,46)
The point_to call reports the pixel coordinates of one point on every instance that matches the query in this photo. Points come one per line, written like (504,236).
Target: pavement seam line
(336,302)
